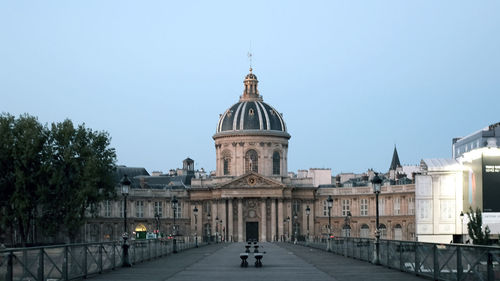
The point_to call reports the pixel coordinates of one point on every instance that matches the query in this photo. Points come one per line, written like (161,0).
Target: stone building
(252,195)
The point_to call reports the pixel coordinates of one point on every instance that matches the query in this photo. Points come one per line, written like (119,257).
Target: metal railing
(436,261)
(73,261)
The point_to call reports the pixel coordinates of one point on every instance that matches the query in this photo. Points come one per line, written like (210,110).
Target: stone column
(263,214)
(240,221)
(214,215)
(230,220)
(273,220)
(280,219)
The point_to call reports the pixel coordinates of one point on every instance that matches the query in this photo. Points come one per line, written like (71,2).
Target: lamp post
(157,219)
(294,225)
(216,229)
(195,212)
(462,226)
(330,205)
(347,221)
(208,230)
(308,212)
(125,182)
(222,232)
(376,182)
(174,207)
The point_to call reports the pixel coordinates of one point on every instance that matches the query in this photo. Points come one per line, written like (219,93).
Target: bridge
(282,261)
(347,259)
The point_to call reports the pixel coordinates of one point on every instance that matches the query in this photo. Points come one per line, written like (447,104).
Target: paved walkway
(281,262)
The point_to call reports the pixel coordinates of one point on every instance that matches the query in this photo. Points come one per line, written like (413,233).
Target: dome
(251,114)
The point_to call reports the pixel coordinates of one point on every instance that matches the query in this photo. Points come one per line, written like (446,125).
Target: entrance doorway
(252,231)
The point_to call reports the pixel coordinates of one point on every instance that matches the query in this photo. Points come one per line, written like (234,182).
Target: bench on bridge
(258,259)
(244,257)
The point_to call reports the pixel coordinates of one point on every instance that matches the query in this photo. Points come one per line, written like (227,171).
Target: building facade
(251,195)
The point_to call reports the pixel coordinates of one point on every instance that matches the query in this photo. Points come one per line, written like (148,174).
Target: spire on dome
(250,92)
(395,160)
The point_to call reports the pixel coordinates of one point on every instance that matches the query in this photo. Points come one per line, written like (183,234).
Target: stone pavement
(281,262)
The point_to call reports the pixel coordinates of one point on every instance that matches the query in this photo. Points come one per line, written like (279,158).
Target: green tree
(81,176)
(475,228)
(23,154)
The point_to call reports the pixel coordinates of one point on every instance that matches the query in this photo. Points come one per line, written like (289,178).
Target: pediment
(252,180)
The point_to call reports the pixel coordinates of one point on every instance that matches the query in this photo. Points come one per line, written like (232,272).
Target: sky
(352,78)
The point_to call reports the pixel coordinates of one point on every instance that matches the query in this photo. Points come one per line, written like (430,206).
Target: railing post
(113,256)
(436,261)
(490,272)
(400,255)
(417,266)
(9,275)
(387,254)
(65,264)
(84,261)
(101,246)
(41,268)
(460,269)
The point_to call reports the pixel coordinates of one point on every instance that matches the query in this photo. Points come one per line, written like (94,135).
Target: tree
(81,176)
(23,156)
(51,177)
(474,228)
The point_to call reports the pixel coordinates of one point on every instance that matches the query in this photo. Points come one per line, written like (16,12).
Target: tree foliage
(475,228)
(51,176)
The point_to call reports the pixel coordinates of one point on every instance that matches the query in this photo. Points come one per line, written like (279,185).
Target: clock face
(252,181)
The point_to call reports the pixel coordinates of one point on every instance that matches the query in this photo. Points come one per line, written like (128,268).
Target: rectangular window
(381,207)
(364,207)
(120,206)
(325,208)
(411,205)
(107,208)
(296,207)
(397,206)
(178,211)
(158,209)
(139,209)
(345,207)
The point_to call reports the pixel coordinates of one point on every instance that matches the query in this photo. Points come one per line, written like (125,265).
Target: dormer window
(250,112)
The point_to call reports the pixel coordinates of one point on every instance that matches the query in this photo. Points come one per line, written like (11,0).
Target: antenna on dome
(250,56)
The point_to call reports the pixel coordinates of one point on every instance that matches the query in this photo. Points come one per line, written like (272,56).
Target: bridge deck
(281,262)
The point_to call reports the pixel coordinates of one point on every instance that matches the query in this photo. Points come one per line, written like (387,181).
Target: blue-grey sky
(352,78)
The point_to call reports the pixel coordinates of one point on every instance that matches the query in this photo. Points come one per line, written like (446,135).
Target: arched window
(365,231)
(398,232)
(226,163)
(251,161)
(346,231)
(276,163)
(383,231)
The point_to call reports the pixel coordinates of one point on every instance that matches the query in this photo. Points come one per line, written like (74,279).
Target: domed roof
(251,114)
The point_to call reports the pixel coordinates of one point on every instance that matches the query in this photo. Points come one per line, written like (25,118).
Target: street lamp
(347,221)
(308,212)
(208,230)
(125,182)
(462,226)
(330,205)
(195,212)
(174,207)
(376,182)
(222,232)
(216,229)
(157,219)
(294,225)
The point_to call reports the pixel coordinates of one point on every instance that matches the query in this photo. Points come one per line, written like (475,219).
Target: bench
(258,259)
(244,257)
